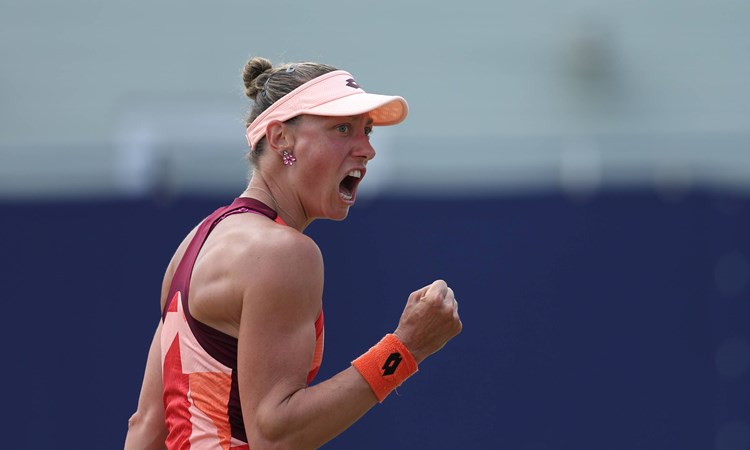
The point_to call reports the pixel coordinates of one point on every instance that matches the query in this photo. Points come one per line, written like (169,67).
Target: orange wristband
(386,365)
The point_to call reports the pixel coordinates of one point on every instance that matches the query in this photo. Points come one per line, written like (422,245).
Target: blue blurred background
(578,171)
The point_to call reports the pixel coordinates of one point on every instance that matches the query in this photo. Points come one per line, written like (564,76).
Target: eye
(343,128)
(368,131)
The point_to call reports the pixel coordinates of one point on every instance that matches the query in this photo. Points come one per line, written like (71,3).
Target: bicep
(274,354)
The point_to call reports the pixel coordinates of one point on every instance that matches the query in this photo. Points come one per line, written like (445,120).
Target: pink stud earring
(288,158)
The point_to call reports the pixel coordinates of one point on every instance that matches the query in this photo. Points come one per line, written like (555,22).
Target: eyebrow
(370,121)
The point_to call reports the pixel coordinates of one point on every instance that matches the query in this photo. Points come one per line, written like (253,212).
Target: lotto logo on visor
(351,83)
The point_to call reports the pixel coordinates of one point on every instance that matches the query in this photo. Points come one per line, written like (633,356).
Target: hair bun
(255,68)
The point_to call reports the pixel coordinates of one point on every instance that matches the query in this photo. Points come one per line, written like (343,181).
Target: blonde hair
(265,84)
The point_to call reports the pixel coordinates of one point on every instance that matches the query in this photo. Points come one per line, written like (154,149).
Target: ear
(279,136)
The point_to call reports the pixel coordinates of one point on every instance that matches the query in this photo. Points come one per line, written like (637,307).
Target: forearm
(146,428)
(312,416)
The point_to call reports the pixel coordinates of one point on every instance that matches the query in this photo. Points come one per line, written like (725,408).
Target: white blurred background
(131,98)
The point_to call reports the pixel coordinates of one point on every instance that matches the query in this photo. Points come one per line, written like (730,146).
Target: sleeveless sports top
(199,363)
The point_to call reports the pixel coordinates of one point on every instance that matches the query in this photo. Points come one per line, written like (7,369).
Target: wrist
(418,356)
(386,365)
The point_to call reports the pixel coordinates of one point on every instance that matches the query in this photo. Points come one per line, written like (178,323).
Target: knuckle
(431,299)
(445,315)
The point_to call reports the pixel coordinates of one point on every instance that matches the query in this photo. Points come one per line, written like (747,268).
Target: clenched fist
(430,319)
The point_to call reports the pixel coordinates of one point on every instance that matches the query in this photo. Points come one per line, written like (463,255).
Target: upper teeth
(355,174)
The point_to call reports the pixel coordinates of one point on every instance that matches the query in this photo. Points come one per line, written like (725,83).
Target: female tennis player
(241,333)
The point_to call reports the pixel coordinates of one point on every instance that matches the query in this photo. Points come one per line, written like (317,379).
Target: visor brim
(384,109)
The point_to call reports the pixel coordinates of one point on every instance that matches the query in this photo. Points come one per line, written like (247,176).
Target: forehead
(365,118)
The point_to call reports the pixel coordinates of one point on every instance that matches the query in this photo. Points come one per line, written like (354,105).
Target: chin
(339,214)
(340,217)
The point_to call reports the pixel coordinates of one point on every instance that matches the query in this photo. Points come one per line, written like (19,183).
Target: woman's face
(331,153)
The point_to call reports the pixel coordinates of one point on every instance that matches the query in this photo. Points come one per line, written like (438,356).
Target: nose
(365,150)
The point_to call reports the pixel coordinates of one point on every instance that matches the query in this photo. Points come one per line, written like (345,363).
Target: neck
(285,216)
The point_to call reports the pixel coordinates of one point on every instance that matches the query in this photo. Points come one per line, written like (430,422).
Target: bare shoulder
(266,259)
(281,252)
(254,243)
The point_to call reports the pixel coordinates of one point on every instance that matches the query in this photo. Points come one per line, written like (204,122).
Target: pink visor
(333,94)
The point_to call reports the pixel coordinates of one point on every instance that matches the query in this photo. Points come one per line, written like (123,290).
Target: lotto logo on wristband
(386,365)
(391,364)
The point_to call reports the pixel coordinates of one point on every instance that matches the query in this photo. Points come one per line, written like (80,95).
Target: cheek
(324,162)
(317,175)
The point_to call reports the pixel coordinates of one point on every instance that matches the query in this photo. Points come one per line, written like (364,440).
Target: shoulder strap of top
(181,279)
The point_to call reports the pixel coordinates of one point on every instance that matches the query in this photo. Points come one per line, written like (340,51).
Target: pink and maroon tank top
(199,363)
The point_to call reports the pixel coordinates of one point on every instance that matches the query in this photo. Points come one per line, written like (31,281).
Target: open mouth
(348,186)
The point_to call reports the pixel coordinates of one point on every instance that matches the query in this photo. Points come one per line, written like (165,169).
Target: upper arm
(276,343)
